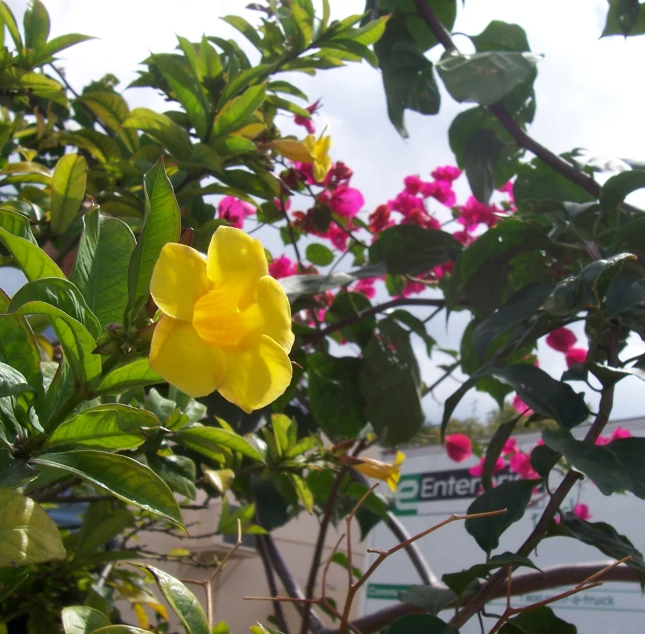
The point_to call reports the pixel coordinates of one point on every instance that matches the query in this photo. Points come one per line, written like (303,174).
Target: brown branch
(273,589)
(552,577)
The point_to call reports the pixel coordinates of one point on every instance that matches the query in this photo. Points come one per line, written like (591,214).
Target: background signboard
(432,487)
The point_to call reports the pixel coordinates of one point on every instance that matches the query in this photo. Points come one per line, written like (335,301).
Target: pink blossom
(234,210)
(379,219)
(582,511)
(340,173)
(306,173)
(464,237)
(474,213)
(443,269)
(306,122)
(441,190)
(561,339)
(510,447)
(508,189)
(282,267)
(404,203)
(366,286)
(575,355)
(411,287)
(458,447)
(446,173)
(419,217)
(282,204)
(520,463)
(346,201)
(603,440)
(413,184)
(521,407)
(478,470)
(620,432)
(337,236)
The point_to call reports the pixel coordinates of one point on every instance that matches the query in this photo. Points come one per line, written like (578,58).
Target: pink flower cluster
(563,340)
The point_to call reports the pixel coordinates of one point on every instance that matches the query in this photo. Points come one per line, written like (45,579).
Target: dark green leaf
(420,624)
(541,620)
(347,305)
(618,187)
(501,36)
(512,496)
(543,459)
(481,154)
(36,23)
(81,619)
(625,17)
(18,349)
(14,473)
(124,477)
(432,600)
(178,472)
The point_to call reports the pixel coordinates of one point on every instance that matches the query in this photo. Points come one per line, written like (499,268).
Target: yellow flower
(292,149)
(320,159)
(389,473)
(226,323)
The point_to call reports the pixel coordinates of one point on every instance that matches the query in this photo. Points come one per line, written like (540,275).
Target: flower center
(218,319)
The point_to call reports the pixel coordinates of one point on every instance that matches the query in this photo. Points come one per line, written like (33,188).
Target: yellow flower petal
(183,359)
(217,318)
(236,261)
(178,280)
(321,167)
(271,314)
(293,150)
(256,375)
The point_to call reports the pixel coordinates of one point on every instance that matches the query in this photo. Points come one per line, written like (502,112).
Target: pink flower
(379,219)
(582,511)
(337,236)
(440,190)
(521,407)
(474,213)
(412,287)
(234,210)
(458,447)
(346,201)
(446,173)
(620,432)
(366,286)
(508,189)
(520,463)
(602,440)
(306,173)
(510,447)
(282,267)
(478,470)
(306,122)
(561,339)
(340,173)
(464,237)
(575,355)
(420,217)
(413,184)
(282,205)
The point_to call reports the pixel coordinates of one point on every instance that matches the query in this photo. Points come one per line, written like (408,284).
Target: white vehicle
(433,487)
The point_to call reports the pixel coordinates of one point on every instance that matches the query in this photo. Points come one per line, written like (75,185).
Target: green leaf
(319,254)
(31,259)
(12,382)
(485,78)
(618,187)
(543,459)
(513,496)
(410,249)
(551,398)
(248,31)
(7,19)
(602,536)
(110,426)
(409,83)
(347,305)
(536,177)
(36,23)
(161,224)
(481,154)
(13,78)
(58,44)
(81,619)
(27,534)
(61,294)
(390,383)
(501,36)
(178,472)
(334,395)
(617,466)
(124,477)
(120,629)
(10,579)
(101,268)
(130,374)
(186,91)
(235,113)
(14,473)
(77,343)
(420,624)
(540,620)
(16,224)
(459,581)
(182,601)
(112,109)
(102,522)
(431,599)
(18,349)
(162,129)
(207,440)
(68,190)
(625,17)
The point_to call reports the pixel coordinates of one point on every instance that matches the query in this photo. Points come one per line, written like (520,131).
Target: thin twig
(273,589)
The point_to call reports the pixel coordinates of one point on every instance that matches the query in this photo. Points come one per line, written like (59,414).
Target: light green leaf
(162,129)
(124,477)
(182,601)
(14,78)
(36,23)
(12,382)
(247,30)
(18,348)
(161,224)
(58,44)
(101,268)
(68,190)
(81,619)
(237,111)
(131,374)
(111,426)
(27,534)
(112,109)
(31,259)
(16,224)
(120,629)
(206,440)
(7,19)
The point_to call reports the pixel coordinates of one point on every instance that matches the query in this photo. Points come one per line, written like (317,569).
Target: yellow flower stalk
(225,324)
(389,473)
(320,159)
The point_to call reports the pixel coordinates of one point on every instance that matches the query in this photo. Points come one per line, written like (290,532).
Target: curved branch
(553,577)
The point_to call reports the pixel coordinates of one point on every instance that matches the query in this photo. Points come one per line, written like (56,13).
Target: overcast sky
(588,96)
